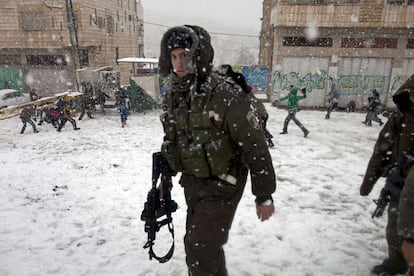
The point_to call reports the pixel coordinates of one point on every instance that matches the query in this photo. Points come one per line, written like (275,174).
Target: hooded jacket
(293,99)
(199,61)
(396,137)
(215,107)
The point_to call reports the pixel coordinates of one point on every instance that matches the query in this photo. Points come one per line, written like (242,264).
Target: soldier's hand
(264,212)
(408,250)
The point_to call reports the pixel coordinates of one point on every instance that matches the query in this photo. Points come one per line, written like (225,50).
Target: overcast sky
(246,13)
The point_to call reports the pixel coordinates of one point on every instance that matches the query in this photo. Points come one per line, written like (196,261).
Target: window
(111,24)
(384,43)
(84,57)
(324,2)
(46,60)
(395,2)
(33,21)
(303,42)
(410,43)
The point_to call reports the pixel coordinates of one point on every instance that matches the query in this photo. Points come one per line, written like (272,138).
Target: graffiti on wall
(11,78)
(310,81)
(255,76)
(360,84)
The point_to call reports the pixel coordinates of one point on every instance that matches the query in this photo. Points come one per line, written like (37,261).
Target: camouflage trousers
(211,205)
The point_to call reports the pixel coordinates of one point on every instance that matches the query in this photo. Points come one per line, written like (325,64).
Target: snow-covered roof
(138,60)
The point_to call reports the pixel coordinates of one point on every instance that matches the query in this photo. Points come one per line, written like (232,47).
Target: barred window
(296,41)
(395,2)
(324,2)
(378,42)
(46,60)
(410,43)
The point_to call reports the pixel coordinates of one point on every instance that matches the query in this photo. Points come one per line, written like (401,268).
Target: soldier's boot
(305,133)
(284,131)
(327,116)
(384,270)
(380,122)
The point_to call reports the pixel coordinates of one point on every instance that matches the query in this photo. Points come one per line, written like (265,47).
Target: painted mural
(311,81)
(11,78)
(256,76)
(354,85)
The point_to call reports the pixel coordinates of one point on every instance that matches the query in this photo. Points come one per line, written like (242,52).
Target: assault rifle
(158,206)
(393,184)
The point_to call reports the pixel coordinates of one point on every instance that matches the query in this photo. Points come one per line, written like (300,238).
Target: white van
(11,97)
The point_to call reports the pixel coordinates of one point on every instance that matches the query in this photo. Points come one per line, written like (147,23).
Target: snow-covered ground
(70,202)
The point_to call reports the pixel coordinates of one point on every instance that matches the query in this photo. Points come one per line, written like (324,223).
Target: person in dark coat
(395,139)
(212,137)
(101,97)
(123,111)
(26,117)
(292,108)
(374,102)
(65,109)
(405,219)
(258,107)
(333,100)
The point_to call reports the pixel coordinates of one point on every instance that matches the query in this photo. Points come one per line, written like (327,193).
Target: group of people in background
(63,110)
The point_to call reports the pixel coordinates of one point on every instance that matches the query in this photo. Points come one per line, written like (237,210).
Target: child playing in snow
(123,110)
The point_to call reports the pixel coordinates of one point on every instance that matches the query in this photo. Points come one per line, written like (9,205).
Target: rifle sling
(166,257)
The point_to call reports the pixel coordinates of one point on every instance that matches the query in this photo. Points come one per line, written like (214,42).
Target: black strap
(150,243)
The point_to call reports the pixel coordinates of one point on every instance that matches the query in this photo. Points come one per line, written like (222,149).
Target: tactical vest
(193,144)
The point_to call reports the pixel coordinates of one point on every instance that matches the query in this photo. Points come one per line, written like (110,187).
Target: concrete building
(360,45)
(45,43)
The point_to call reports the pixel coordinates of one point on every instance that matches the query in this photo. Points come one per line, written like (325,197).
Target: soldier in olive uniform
(395,138)
(213,137)
(405,220)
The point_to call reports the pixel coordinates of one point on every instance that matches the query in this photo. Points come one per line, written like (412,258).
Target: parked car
(10,97)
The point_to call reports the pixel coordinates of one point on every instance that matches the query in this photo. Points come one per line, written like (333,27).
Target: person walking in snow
(123,111)
(292,108)
(88,102)
(333,100)
(395,140)
(208,116)
(374,102)
(26,117)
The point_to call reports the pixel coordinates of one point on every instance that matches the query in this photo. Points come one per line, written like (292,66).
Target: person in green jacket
(394,141)
(292,108)
(213,138)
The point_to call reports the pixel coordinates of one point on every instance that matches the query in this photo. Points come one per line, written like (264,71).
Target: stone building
(46,43)
(360,45)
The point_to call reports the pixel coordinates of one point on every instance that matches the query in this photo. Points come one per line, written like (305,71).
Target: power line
(225,34)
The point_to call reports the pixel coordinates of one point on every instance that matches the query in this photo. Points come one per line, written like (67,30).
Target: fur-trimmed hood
(401,96)
(199,61)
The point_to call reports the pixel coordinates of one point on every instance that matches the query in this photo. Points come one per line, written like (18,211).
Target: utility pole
(73,36)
